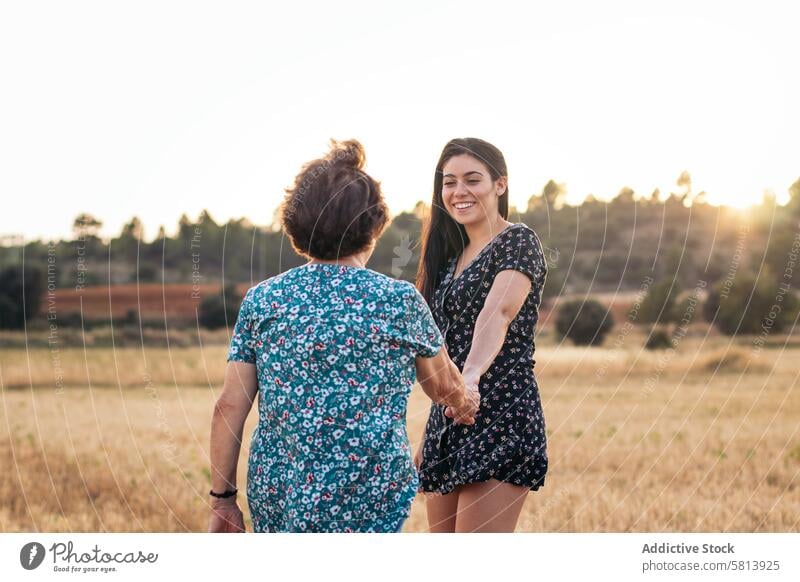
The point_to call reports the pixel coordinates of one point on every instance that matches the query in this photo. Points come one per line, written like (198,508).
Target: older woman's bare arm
(442,382)
(227,426)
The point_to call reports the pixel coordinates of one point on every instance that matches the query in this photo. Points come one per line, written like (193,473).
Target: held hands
(226,517)
(465,414)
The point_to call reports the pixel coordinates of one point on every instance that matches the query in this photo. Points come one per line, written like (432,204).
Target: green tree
(86,226)
(659,303)
(711,304)
(127,245)
(624,200)
(751,304)
(551,198)
(794,199)
(778,248)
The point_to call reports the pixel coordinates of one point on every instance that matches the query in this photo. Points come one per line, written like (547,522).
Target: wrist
(227,493)
(471,377)
(218,503)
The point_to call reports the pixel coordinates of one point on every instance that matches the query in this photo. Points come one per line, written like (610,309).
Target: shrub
(584,322)
(20,295)
(221,310)
(659,339)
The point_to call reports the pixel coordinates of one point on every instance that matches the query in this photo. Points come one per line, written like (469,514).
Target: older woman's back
(334,348)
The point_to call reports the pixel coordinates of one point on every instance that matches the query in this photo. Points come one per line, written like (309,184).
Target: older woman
(332,348)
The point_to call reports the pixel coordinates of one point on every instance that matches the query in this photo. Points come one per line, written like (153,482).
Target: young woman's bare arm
(505,299)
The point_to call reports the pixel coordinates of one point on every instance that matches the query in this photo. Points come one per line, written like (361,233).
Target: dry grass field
(702,438)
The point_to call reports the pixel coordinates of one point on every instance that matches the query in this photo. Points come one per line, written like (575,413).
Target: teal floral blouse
(334,348)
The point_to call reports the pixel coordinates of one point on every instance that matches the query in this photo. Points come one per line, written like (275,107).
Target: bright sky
(159,108)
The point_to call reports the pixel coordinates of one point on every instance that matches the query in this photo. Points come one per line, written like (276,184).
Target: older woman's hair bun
(349,153)
(334,209)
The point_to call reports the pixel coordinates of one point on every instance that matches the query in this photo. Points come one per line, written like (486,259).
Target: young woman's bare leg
(491,506)
(442,511)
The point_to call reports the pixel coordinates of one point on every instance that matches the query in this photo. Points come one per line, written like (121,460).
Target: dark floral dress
(507,441)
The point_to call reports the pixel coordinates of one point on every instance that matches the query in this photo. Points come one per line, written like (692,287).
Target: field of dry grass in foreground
(705,438)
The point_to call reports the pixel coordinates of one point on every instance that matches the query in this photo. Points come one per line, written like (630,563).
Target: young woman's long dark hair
(443,237)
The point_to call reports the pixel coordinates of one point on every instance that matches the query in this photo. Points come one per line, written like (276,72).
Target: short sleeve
(522,251)
(242,348)
(421,332)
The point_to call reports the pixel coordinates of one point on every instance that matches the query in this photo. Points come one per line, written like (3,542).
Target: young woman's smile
(462,207)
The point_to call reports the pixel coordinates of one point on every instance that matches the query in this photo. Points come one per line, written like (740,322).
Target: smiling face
(469,193)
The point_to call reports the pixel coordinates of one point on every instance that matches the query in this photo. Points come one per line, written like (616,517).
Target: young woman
(482,276)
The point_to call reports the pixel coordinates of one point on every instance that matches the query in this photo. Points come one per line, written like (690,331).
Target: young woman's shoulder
(521,233)
(522,250)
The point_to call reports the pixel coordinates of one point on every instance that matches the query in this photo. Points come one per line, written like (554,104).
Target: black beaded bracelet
(228,493)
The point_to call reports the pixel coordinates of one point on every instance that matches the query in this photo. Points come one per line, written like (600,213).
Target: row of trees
(591,247)
(744,305)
